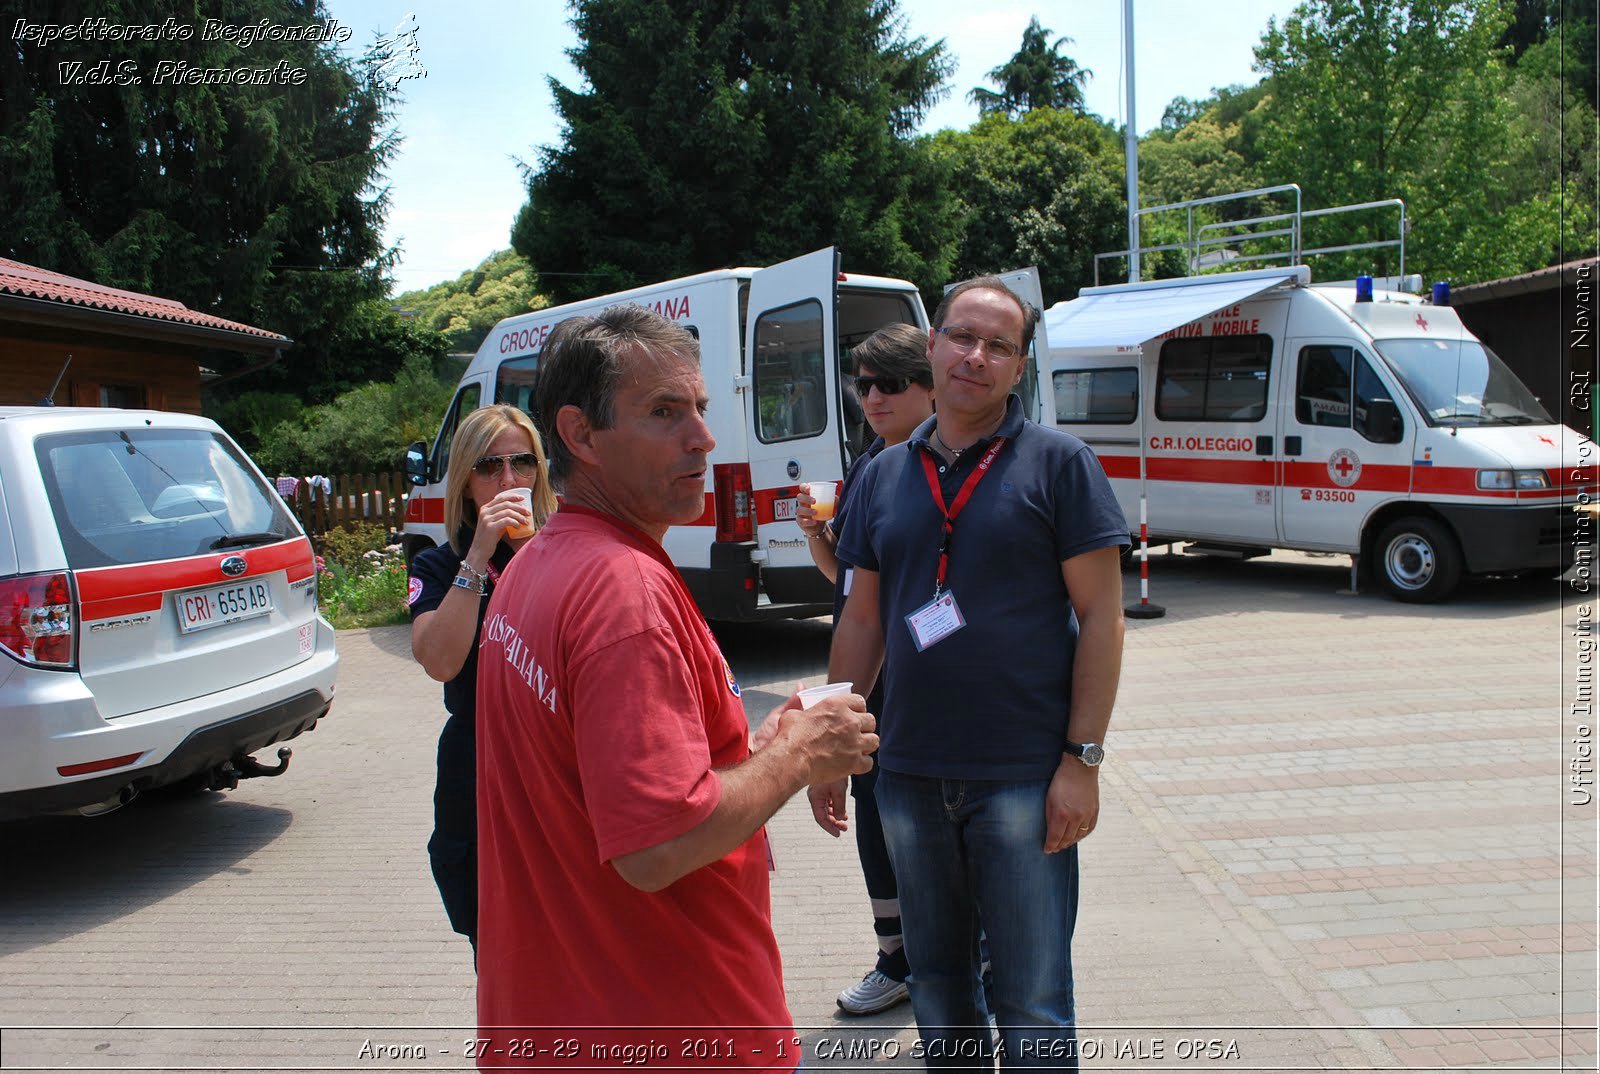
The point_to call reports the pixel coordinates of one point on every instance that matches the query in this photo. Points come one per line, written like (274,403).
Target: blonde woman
(496,460)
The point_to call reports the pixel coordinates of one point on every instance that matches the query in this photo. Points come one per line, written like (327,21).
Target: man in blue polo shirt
(986,551)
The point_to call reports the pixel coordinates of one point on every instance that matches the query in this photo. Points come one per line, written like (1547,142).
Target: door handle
(1292,446)
(1263,445)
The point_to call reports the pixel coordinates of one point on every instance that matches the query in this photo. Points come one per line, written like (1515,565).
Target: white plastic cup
(823,492)
(517,532)
(812,694)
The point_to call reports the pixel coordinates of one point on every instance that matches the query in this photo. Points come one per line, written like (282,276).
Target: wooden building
(109,347)
(1532,322)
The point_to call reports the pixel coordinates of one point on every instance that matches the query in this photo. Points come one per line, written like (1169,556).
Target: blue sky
(454,186)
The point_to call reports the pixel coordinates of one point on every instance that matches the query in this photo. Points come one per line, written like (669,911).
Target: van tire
(1417,560)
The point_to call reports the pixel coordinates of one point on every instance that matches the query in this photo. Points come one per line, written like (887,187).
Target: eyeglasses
(886,385)
(964,339)
(523,463)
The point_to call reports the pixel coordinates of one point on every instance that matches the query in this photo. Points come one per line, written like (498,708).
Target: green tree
(1201,159)
(1045,190)
(363,430)
(1039,75)
(1203,148)
(1407,98)
(375,343)
(464,309)
(255,202)
(710,133)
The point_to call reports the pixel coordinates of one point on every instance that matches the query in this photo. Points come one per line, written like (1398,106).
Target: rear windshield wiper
(245,540)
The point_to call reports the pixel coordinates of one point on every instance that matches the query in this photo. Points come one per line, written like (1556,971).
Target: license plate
(199,609)
(783,510)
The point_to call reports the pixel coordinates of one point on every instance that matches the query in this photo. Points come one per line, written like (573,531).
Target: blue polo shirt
(991,700)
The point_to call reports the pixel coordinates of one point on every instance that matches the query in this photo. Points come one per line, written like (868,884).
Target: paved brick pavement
(1334,837)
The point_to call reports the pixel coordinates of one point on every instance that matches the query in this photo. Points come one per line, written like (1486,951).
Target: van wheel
(1418,560)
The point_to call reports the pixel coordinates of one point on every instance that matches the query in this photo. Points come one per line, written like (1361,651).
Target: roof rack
(1216,245)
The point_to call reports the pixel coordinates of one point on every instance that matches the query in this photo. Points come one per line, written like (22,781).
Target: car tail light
(39,619)
(735,500)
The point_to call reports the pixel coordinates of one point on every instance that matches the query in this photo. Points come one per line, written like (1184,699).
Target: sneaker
(875,992)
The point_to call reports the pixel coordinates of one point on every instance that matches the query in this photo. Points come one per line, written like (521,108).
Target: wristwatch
(1090,753)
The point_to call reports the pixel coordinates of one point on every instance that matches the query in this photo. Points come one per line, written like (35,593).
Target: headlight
(1507,480)
(1532,479)
(1496,479)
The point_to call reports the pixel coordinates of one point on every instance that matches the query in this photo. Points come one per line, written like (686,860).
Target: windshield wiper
(246,540)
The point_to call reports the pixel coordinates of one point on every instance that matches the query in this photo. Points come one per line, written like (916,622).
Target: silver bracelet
(466,581)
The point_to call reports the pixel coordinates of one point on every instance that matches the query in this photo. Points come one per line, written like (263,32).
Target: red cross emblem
(1547,440)
(1344,467)
(1422,322)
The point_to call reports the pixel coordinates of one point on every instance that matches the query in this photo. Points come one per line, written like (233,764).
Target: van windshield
(141,495)
(1461,382)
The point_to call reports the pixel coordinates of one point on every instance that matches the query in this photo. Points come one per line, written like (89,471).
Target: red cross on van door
(1422,322)
(1343,466)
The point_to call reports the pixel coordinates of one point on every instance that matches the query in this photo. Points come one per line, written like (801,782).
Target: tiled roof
(27,281)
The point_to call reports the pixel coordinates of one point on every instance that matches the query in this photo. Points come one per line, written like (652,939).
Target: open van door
(791,414)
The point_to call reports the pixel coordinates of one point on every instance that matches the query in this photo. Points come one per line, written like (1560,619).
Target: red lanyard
(956,508)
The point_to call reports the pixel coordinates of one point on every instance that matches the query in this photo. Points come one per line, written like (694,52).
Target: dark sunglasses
(524,463)
(886,385)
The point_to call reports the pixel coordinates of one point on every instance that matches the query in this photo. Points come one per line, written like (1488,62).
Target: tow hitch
(227,775)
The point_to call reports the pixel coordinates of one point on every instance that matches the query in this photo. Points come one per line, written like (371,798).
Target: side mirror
(1384,424)
(417,464)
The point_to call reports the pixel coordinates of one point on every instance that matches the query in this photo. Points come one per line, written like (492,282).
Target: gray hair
(582,365)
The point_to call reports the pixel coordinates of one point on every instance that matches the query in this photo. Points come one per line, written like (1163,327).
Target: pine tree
(1040,75)
(713,133)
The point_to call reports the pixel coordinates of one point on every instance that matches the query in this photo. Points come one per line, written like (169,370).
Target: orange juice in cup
(518,532)
(823,492)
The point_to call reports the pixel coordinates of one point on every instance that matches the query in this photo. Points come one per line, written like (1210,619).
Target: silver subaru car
(158,612)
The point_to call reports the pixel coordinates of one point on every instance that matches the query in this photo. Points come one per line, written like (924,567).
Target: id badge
(935,621)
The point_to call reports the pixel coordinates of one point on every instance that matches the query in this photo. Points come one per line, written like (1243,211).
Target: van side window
(515,381)
(465,402)
(1097,396)
(1219,378)
(1323,394)
(790,377)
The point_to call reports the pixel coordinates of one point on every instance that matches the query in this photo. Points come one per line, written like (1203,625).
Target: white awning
(1127,315)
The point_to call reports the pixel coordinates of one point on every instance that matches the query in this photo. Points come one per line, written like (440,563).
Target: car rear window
(141,495)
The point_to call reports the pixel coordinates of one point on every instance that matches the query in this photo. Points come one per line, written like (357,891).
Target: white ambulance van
(774,351)
(1268,412)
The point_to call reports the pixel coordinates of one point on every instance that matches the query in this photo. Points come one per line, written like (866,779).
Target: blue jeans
(969,855)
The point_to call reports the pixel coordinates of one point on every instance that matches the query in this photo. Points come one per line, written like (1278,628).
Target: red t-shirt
(604,707)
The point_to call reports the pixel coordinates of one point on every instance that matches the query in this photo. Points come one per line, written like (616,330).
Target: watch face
(1093,754)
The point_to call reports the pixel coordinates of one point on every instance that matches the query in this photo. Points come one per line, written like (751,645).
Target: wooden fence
(379,499)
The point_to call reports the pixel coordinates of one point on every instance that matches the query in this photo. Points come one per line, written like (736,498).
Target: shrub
(366,429)
(360,580)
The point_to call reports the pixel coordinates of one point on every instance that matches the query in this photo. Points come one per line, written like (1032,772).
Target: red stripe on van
(1210,471)
(425,509)
(1205,471)
(106,592)
(1374,477)
(1454,481)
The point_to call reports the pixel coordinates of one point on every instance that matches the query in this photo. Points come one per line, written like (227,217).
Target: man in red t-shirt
(624,911)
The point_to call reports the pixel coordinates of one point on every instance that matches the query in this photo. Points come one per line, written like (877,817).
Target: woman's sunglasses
(886,385)
(523,463)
